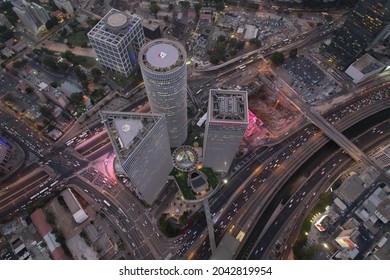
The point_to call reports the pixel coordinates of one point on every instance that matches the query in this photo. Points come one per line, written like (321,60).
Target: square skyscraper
(117,39)
(227,120)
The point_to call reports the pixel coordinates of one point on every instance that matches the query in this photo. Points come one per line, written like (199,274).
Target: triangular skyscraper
(141,144)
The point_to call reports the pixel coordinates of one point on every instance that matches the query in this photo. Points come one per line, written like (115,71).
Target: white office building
(141,145)
(227,120)
(31,15)
(164,70)
(117,39)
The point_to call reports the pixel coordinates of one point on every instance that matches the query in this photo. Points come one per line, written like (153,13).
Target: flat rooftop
(126,130)
(350,190)
(228,106)
(367,64)
(113,27)
(162,55)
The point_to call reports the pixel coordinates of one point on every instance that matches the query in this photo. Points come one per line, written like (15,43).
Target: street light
(225,181)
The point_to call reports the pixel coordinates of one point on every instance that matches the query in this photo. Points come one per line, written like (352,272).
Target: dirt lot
(277,114)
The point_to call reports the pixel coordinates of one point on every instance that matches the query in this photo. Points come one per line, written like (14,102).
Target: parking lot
(306,78)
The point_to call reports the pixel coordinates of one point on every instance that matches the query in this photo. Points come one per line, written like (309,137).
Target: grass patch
(181,179)
(213,180)
(166,227)
(194,135)
(85,61)
(118,79)
(300,252)
(78,38)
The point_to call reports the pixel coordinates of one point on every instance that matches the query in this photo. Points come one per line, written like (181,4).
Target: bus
(199,91)
(55,182)
(105,202)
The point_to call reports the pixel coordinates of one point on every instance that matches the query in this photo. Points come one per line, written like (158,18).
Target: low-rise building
(38,218)
(7,52)
(363,68)
(350,190)
(376,206)
(382,155)
(74,206)
(347,238)
(151,29)
(381,251)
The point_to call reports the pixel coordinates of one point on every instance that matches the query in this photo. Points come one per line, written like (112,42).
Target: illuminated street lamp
(225,181)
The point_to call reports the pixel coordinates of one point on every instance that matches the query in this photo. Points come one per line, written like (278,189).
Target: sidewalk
(59,47)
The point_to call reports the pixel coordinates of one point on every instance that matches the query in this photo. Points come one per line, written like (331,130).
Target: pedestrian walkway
(60,47)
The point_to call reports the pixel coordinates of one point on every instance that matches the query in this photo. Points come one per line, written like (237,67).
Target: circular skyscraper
(163,67)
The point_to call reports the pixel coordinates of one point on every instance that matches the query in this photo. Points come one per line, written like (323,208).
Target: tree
(5,33)
(19,63)
(29,90)
(50,62)
(96,95)
(240,45)
(50,218)
(63,32)
(221,38)
(294,53)
(6,9)
(77,100)
(197,8)
(219,6)
(46,112)
(96,74)
(154,8)
(253,6)
(184,4)
(233,43)
(328,18)
(68,55)
(51,23)
(255,42)
(54,84)
(277,58)
(80,73)
(300,15)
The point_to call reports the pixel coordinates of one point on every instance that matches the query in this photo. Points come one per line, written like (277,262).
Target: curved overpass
(258,203)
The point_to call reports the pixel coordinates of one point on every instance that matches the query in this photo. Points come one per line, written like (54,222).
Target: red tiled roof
(22,86)
(59,254)
(39,220)
(57,13)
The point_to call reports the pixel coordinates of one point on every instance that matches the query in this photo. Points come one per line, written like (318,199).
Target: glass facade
(166,86)
(363,24)
(227,121)
(141,144)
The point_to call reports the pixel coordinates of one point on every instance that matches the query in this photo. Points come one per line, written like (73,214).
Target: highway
(325,126)
(301,200)
(303,144)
